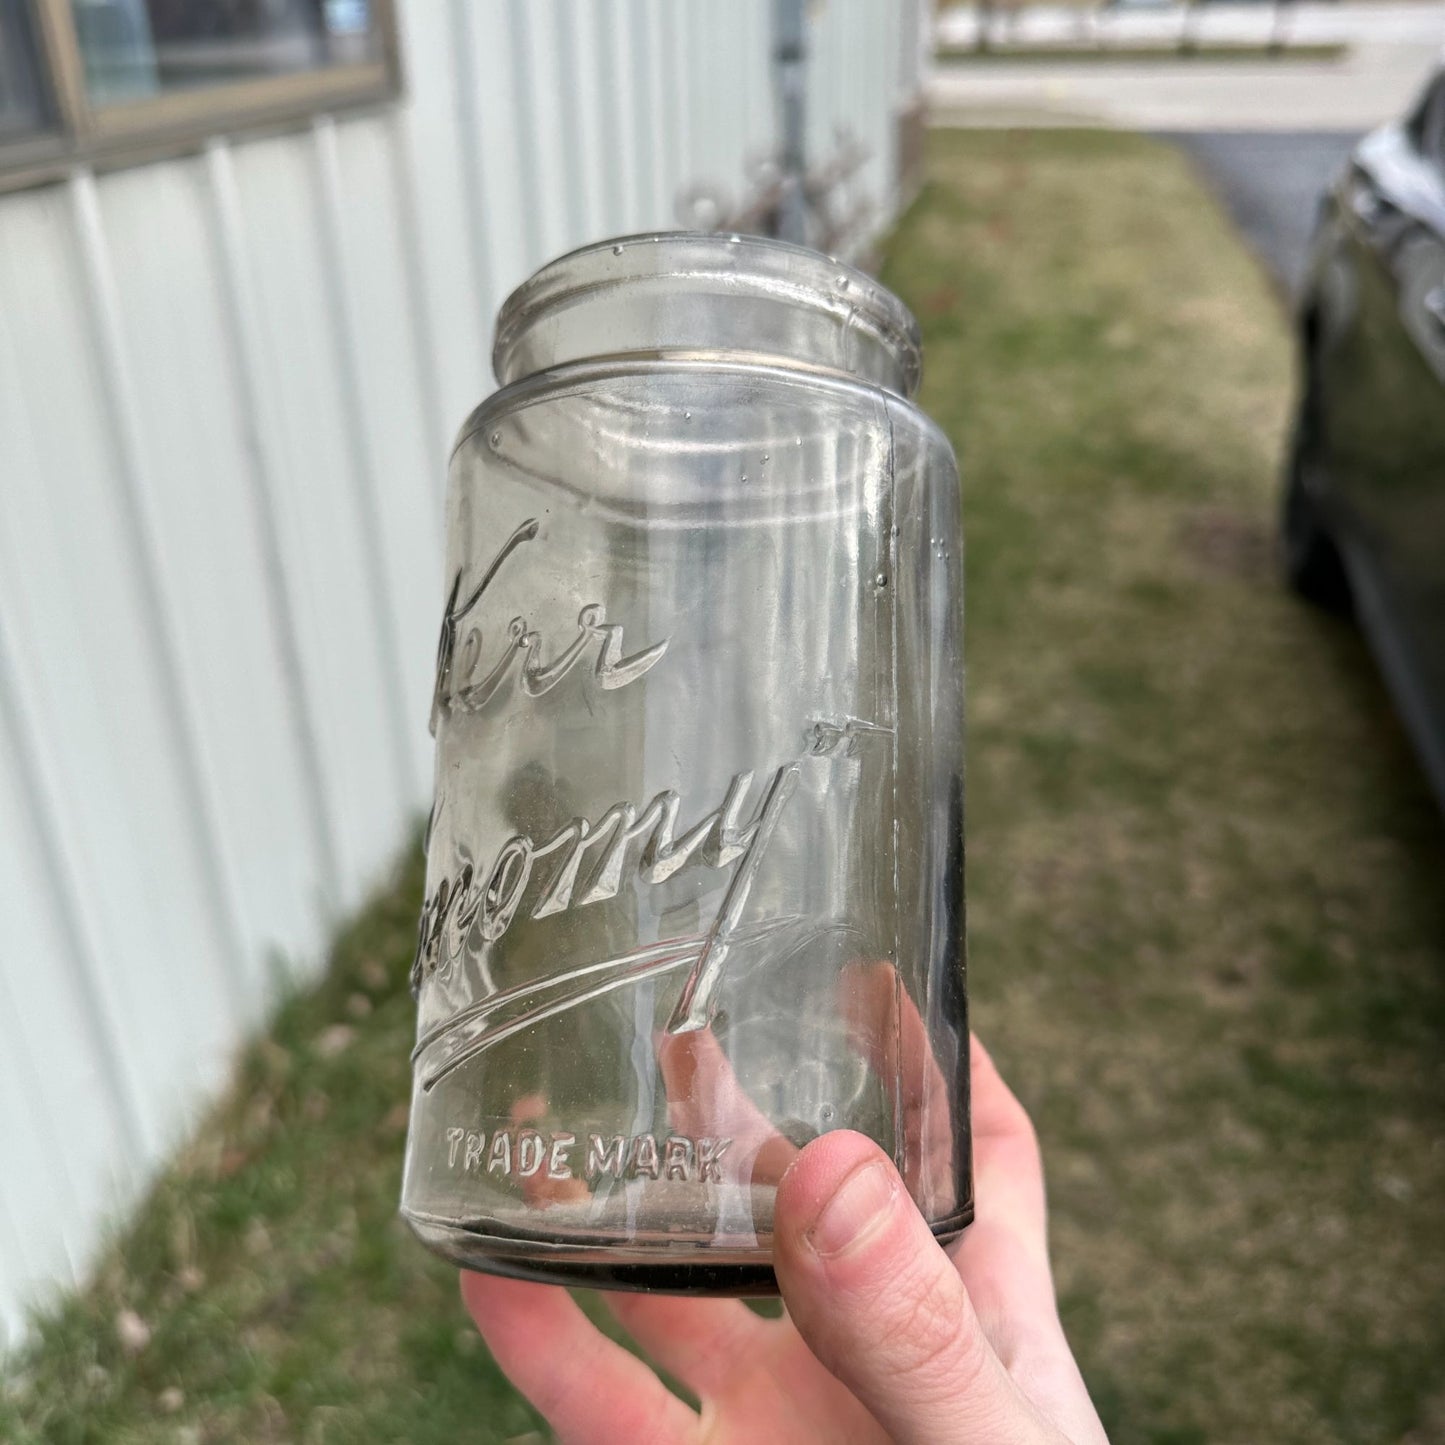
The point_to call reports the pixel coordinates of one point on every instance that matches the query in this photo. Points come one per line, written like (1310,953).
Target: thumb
(881,1305)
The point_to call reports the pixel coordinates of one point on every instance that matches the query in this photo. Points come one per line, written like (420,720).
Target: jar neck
(685,293)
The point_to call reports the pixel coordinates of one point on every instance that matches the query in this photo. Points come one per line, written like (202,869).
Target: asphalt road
(1270,181)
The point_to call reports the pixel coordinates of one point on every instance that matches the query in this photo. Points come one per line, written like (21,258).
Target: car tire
(1312,563)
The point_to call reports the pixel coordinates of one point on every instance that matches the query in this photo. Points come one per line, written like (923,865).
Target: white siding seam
(757,98)
(203,821)
(265,475)
(617,212)
(590,170)
(12,1312)
(665,200)
(366,482)
(624,71)
(642,143)
(469,126)
(65,873)
(525,131)
(61,1163)
(569,98)
(676,123)
(404,181)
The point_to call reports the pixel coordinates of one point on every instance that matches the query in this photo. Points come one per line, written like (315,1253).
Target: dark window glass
(138,48)
(1435,125)
(22,93)
(1426,126)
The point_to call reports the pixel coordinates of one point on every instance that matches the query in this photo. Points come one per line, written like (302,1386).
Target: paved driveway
(1270,181)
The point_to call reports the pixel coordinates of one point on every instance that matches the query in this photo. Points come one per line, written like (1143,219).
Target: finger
(887,1029)
(1006,1148)
(1003,1257)
(587,1387)
(701,1342)
(882,1307)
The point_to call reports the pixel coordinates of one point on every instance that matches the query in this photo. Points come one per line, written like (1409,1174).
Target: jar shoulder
(685,391)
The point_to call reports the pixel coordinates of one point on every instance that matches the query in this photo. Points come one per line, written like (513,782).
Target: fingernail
(860,1204)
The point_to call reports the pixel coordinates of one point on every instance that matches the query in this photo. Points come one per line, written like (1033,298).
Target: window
(1427,125)
(1434,132)
(109,81)
(138,48)
(22,99)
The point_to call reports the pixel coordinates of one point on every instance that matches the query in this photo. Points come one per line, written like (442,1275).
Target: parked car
(1364,504)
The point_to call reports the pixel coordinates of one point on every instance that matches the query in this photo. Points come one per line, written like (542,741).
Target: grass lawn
(1206,914)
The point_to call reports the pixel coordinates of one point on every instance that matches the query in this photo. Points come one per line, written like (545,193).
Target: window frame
(131,132)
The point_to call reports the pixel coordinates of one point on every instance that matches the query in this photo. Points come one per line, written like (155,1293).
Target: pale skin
(887,1336)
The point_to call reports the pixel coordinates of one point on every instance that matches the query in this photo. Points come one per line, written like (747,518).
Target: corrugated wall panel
(652,43)
(487,45)
(706,104)
(536,124)
(599,60)
(228,384)
(621,64)
(396,416)
(758,79)
(90,663)
(644,42)
(66,1133)
(322,505)
(590,118)
(672,120)
(435,154)
(737,34)
(158,228)
(558,125)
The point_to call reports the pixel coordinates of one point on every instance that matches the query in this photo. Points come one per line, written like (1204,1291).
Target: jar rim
(796,273)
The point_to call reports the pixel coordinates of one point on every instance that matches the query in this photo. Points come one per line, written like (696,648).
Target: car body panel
(1373,333)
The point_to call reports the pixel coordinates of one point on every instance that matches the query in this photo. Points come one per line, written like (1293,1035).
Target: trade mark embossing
(528,1154)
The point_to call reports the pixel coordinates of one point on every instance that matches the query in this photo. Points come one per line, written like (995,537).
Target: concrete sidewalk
(1392,50)
(1421,23)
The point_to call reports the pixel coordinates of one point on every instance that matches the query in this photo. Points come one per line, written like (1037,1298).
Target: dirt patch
(1229,544)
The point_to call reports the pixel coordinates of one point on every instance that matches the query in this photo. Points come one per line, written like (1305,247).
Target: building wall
(227,388)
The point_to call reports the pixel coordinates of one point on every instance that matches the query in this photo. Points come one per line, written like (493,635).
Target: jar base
(714,1273)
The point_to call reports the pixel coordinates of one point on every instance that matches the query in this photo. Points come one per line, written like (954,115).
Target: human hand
(887,1335)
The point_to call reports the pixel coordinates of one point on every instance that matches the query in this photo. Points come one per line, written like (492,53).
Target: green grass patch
(1205,913)
(282,1298)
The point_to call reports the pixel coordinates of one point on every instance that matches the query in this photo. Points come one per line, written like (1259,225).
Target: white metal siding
(227,388)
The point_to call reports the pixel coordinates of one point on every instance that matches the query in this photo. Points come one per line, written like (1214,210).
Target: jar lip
(810,277)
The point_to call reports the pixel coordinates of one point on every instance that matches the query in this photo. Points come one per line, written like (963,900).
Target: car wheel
(1312,562)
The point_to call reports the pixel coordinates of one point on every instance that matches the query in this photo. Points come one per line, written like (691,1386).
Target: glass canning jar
(695,860)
